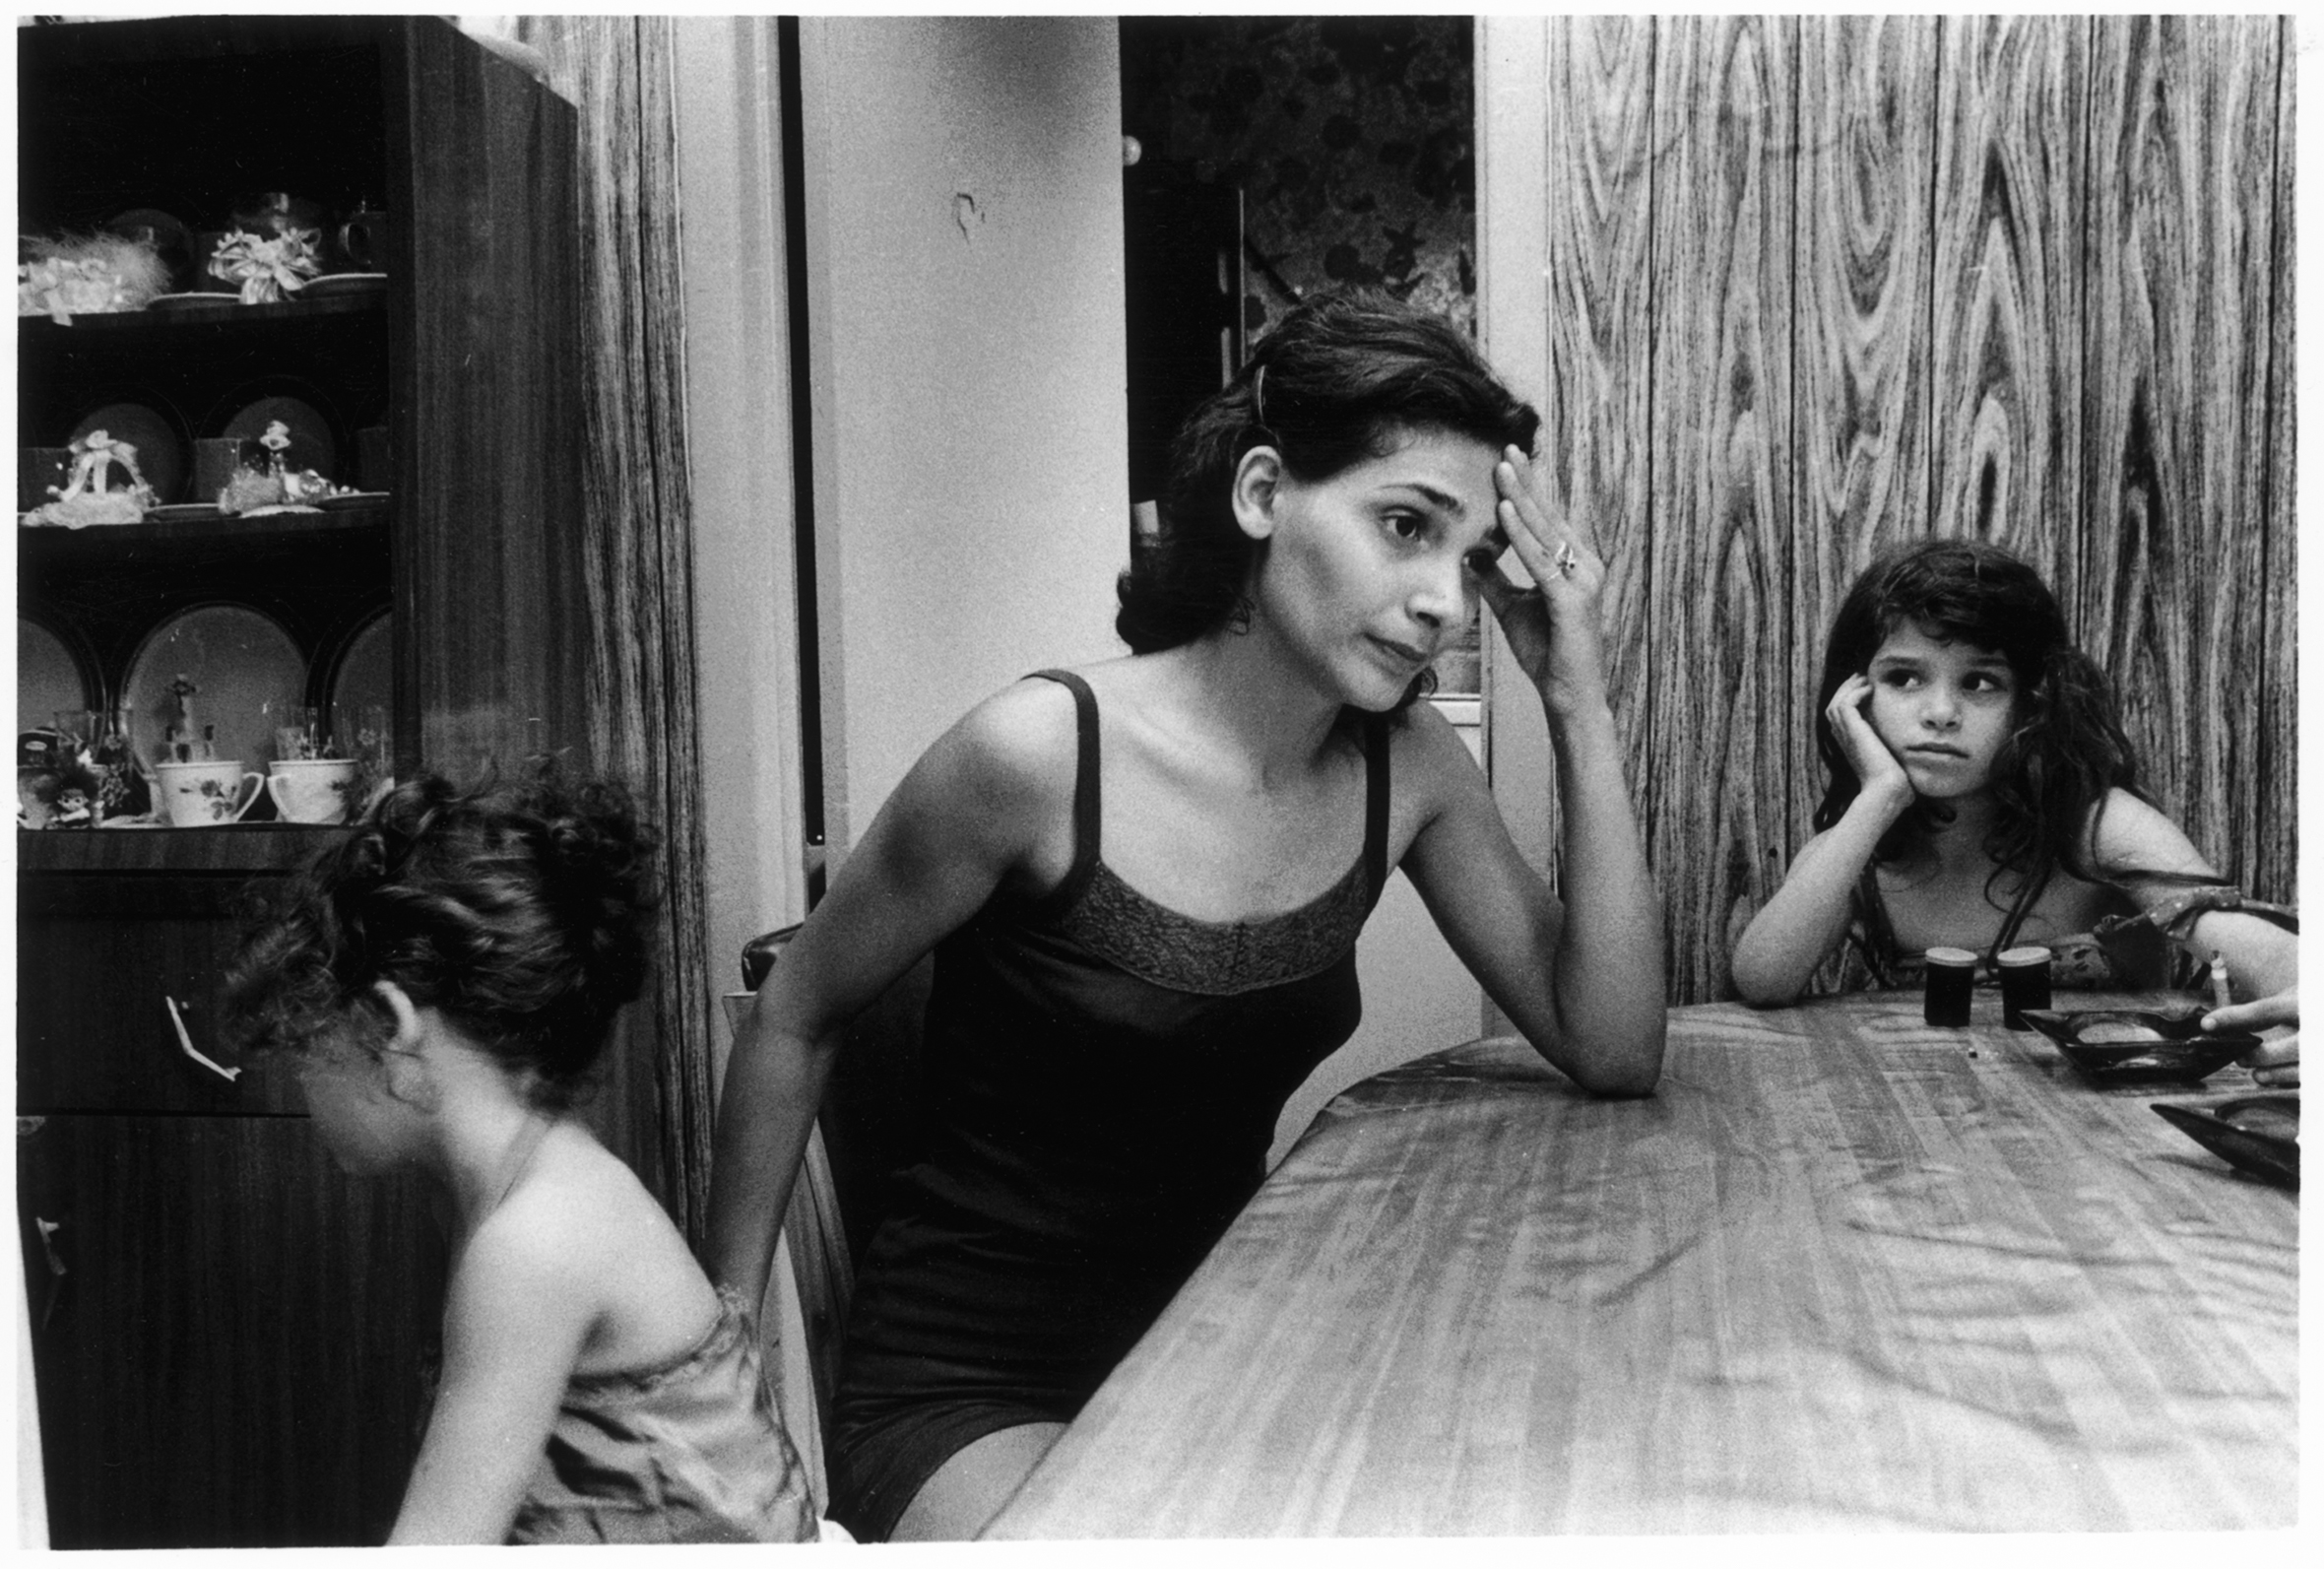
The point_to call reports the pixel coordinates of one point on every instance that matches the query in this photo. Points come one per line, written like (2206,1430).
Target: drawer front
(108,970)
(228,1334)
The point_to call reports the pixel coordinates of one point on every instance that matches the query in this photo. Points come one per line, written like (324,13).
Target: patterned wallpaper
(1352,138)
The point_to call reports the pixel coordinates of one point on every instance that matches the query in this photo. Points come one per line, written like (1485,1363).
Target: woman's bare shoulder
(1014,751)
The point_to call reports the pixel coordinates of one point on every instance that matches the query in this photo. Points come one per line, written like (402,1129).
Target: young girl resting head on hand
(448,977)
(1981,794)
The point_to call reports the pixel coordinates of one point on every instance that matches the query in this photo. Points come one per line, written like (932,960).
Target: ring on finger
(1566,559)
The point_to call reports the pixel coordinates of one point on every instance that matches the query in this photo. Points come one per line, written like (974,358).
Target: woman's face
(1370,571)
(1943,707)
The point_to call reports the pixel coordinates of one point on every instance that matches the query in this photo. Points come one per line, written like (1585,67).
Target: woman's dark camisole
(1103,1076)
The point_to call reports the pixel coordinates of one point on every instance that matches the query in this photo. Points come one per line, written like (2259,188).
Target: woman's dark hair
(516,909)
(1342,378)
(2066,747)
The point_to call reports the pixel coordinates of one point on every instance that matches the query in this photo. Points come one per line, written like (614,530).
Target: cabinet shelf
(237,847)
(33,330)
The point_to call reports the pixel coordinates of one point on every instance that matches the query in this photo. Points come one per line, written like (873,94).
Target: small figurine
(87,497)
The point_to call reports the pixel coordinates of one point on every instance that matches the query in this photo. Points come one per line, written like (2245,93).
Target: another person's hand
(1881,777)
(2275,1062)
(1553,626)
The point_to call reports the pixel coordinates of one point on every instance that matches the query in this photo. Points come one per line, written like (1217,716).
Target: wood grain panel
(2275,846)
(1860,438)
(2006,297)
(2183,177)
(1719,557)
(491,620)
(637,514)
(231,1337)
(1597,421)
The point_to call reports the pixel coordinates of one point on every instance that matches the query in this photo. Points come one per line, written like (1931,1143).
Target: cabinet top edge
(76,45)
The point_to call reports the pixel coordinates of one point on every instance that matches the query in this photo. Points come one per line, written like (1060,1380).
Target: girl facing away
(1981,793)
(1143,882)
(448,978)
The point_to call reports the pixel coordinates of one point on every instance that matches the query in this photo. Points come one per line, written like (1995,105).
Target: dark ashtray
(2131,1046)
(2257,1133)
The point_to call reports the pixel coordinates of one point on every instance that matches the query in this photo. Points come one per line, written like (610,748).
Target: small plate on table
(353,500)
(182,512)
(2257,1133)
(2135,1046)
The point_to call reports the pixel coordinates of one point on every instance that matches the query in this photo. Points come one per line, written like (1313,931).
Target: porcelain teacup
(199,795)
(311,789)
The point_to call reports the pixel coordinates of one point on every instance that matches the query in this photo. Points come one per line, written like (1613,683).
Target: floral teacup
(311,789)
(198,795)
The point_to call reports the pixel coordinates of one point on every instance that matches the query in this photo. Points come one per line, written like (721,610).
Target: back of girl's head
(1342,378)
(517,909)
(2066,749)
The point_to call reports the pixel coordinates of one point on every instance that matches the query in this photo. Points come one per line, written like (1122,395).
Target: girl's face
(1943,707)
(1369,573)
(363,1125)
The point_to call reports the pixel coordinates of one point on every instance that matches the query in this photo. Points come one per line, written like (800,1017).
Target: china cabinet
(230,1335)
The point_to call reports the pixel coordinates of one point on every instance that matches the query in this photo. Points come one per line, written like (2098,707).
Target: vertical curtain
(636,520)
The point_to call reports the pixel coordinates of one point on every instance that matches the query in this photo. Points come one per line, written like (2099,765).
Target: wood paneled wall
(1817,285)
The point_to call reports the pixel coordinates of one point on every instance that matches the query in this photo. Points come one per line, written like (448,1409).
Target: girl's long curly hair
(1342,378)
(518,909)
(2066,747)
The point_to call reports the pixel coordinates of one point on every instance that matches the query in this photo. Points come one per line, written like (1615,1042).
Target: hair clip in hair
(1259,393)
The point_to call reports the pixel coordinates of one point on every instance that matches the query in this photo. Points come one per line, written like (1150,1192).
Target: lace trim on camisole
(1096,909)
(1219,959)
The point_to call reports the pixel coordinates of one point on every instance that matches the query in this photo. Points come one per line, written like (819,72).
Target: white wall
(739,437)
(963,189)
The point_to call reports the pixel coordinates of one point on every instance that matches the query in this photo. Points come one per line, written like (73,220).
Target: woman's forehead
(1457,468)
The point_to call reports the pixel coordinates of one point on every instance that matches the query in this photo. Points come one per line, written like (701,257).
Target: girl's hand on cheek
(1881,775)
(1553,626)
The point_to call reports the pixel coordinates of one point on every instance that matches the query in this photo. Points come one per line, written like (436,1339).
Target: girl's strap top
(1881,954)
(1087,799)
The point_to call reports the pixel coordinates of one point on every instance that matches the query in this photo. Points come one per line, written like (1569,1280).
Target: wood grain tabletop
(1841,1272)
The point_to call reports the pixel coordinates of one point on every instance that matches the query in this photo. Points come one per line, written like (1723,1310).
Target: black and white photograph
(1284,785)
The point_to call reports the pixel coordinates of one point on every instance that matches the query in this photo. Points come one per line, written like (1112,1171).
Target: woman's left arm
(1584,979)
(2130,839)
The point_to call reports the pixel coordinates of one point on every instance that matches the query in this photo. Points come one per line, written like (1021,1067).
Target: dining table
(1843,1271)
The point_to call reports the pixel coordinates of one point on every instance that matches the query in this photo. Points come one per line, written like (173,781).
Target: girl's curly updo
(517,909)
(1341,379)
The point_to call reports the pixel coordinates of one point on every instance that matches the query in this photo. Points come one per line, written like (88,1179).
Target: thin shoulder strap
(1376,751)
(1880,938)
(1085,790)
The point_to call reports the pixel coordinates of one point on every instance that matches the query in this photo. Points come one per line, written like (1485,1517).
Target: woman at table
(1144,880)
(1981,793)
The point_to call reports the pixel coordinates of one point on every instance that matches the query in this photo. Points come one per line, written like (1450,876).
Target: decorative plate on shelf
(311,446)
(161,455)
(332,285)
(182,512)
(246,672)
(365,678)
(47,677)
